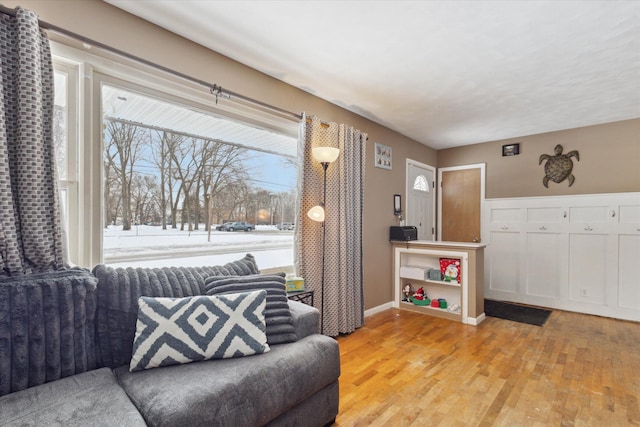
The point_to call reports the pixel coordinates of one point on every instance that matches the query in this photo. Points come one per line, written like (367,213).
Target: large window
(178,181)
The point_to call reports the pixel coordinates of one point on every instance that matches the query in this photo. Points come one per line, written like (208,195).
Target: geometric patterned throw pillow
(172,331)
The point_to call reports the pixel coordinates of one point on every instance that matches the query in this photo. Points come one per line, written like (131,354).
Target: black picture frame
(511,149)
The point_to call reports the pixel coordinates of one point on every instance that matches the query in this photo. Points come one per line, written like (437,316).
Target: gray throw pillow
(278,318)
(173,331)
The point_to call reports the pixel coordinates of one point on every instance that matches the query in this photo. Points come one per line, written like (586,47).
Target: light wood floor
(410,369)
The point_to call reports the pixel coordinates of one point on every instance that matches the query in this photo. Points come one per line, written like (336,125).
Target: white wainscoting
(576,253)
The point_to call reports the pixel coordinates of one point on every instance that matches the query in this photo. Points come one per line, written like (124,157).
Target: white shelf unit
(425,255)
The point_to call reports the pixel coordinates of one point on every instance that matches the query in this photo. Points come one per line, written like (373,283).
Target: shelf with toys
(441,279)
(436,298)
(406,273)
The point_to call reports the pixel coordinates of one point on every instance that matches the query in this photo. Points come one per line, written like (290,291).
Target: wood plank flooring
(410,369)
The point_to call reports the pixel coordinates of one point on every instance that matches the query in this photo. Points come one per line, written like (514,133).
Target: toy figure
(419,295)
(451,273)
(406,291)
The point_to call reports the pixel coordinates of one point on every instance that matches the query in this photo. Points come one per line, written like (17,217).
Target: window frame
(85,146)
(69,187)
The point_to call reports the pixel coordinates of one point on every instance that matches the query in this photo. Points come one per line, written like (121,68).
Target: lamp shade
(316,213)
(326,154)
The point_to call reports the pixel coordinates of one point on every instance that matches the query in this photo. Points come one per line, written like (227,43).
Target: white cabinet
(577,253)
(412,259)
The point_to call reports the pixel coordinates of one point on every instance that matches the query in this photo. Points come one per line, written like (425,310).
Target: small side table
(305,297)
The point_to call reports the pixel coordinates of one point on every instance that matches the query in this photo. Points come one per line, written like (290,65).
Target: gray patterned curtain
(343,294)
(30,232)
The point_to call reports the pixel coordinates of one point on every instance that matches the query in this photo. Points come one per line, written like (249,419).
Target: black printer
(404,233)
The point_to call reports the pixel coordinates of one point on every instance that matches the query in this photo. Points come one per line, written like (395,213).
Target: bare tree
(185,163)
(162,147)
(122,150)
(288,205)
(204,151)
(112,194)
(222,169)
(144,196)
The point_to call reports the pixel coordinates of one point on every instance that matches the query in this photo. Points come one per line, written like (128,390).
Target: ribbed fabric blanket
(46,327)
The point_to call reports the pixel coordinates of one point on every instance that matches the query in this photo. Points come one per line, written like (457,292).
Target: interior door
(461,193)
(420,206)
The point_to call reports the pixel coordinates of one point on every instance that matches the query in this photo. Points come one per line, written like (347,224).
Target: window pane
(420,183)
(171,170)
(60,131)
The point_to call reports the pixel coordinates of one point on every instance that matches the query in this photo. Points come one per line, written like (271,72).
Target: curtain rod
(215,90)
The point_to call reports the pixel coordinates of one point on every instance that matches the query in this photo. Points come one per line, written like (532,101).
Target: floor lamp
(324,155)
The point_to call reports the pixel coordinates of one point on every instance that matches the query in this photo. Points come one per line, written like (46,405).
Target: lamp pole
(325,156)
(325,165)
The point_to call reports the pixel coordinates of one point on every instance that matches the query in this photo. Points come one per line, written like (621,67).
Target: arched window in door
(420,184)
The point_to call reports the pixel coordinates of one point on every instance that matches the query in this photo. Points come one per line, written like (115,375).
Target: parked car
(221,227)
(285,226)
(237,226)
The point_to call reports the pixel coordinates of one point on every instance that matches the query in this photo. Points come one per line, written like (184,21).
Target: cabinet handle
(504,227)
(613,214)
(587,228)
(564,214)
(543,228)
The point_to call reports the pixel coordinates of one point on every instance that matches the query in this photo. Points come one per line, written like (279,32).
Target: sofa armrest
(305,319)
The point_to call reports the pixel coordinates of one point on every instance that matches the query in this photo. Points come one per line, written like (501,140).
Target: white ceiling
(445,73)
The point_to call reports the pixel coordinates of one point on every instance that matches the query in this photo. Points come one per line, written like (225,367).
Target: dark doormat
(516,312)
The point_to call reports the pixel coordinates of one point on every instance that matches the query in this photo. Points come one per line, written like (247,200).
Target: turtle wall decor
(558,167)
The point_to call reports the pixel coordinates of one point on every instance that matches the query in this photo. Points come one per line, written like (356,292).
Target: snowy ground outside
(149,246)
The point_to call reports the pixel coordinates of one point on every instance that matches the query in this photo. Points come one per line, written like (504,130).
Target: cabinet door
(629,269)
(545,264)
(503,258)
(629,256)
(545,253)
(591,246)
(588,267)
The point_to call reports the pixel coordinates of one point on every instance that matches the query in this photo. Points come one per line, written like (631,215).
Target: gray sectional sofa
(66,342)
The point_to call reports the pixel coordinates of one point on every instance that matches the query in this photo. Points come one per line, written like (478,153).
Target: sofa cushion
(277,314)
(92,398)
(247,391)
(47,327)
(119,290)
(172,331)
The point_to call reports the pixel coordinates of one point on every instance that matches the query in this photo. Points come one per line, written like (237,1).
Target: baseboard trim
(378,309)
(475,321)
